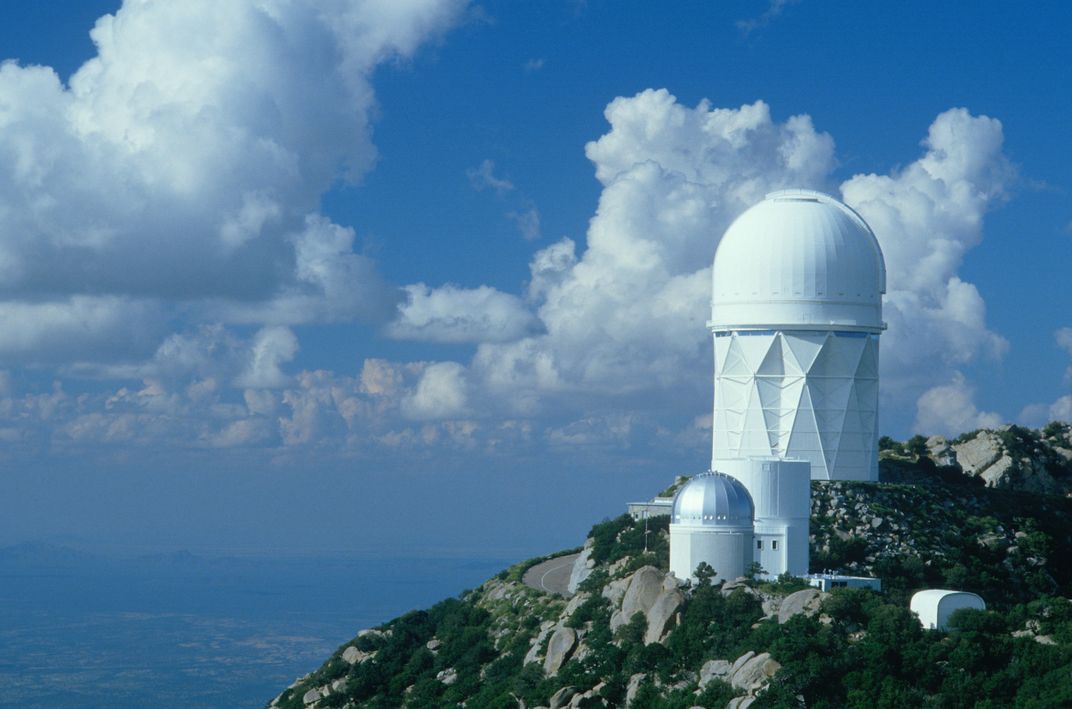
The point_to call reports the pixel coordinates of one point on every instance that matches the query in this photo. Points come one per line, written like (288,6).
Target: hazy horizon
(428,279)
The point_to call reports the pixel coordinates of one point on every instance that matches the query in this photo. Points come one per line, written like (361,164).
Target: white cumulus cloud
(627,315)
(272,348)
(453,314)
(185,161)
(927,216)
(441,393)
(949,409)
(197,203)
(624,316)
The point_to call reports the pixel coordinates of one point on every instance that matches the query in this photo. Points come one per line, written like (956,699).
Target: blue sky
(265,264)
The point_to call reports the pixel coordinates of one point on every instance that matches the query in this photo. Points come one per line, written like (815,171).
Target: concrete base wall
(728,551)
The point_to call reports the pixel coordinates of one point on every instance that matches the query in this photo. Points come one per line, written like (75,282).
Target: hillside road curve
(551,576)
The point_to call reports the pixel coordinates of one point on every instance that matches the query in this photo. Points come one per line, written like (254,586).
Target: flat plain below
(182,630)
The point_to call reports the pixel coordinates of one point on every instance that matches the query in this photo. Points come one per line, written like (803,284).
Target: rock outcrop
(648,591)
(1013,458)
(714,669)
(643,589)
(533,655)
(562,698)
(354,656)
(662,615)
(984,456)
(582,568)
(559,648)
(801,602)
(940,451)
(615,591)
(751,671)
(633,687)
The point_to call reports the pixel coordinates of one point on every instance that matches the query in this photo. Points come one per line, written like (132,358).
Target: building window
(774,544)
(759,544)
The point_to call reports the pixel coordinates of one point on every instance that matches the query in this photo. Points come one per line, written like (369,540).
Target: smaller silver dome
(714,499)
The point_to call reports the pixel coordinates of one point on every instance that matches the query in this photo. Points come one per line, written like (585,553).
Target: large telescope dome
(715,500)
(798,260)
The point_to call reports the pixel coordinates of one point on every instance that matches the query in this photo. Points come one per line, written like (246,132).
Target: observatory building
(711,521)
(781,495)
(796,314)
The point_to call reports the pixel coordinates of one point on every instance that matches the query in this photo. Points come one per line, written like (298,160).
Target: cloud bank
(181,168)
(160,239)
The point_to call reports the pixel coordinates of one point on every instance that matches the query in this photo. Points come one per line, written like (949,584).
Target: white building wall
(655,507)
(727,550)
(770,550)
(806,394)
(781,549)
(781,492)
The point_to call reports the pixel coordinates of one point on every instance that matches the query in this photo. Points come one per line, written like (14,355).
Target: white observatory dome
(713,499)
(801,260)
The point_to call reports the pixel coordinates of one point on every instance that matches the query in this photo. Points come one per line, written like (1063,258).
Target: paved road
(552,575)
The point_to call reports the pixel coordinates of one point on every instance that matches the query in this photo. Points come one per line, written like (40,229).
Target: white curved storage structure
(935,605)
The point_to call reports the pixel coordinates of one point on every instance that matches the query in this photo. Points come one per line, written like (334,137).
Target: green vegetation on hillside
(872,653)
(622,537)
(932,527)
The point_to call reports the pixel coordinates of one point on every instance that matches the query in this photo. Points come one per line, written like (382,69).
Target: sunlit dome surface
(713,499)
(801,259)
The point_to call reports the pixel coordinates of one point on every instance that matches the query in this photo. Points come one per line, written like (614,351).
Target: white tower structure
(781,493)
(711,521)
(796,314)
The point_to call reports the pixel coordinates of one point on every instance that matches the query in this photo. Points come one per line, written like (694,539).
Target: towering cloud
(159,224)
(627,315)
(182,168)
(927,216)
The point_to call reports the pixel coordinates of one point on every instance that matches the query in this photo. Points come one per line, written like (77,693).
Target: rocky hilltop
(1007,458)
(989,512)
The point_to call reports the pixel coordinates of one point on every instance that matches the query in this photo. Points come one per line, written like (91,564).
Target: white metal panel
(827,415)
(713,499)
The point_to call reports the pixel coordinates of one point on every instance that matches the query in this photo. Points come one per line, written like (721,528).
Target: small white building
(655,507)
(711,522)
(828,582)
(781,492)
(935,605)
